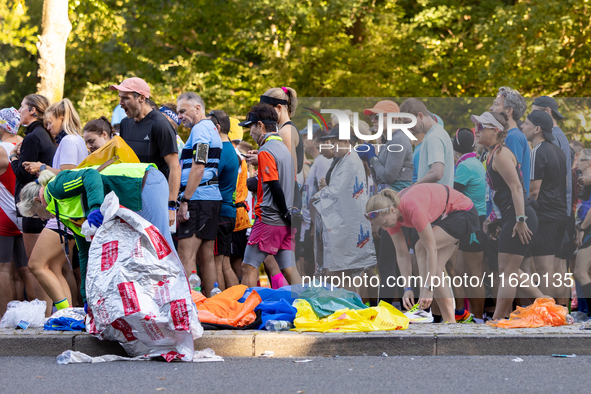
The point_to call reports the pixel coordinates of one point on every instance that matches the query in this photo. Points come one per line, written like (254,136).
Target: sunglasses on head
(375,214)
(212,115)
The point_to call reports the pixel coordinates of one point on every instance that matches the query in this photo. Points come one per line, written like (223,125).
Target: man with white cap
(548,188)
(150,135)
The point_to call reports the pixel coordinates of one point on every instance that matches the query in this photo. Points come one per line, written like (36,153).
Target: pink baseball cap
(384,106)
(134,84)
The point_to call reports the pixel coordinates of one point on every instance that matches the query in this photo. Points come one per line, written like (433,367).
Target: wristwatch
(429,288)
(373,160)
(184,199)
(173,204)
(43,167)
(11,157)
(521,218)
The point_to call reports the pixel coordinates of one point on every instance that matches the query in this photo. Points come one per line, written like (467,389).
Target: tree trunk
(56,28)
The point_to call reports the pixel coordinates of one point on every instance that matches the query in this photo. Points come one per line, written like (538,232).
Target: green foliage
(231,51)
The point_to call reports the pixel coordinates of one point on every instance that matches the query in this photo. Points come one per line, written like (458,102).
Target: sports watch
(521,218)
(43,167)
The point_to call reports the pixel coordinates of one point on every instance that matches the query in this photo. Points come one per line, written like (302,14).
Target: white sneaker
(419,316)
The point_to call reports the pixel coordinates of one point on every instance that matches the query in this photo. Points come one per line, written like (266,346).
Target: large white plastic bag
(137,289)
(30,312)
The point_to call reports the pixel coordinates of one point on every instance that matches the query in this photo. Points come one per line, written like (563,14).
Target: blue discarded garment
(64,324)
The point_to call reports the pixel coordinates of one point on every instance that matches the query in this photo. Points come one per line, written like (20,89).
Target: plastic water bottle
(195,281)
(278,325)
(216,290)
(64,358)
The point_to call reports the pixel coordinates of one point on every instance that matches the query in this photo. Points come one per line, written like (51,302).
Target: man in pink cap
(151,136)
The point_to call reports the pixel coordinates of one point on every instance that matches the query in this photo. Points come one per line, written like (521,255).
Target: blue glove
(86,308)
(95,218)
(366,156)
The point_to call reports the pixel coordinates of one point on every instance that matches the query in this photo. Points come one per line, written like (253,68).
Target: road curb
(285,344)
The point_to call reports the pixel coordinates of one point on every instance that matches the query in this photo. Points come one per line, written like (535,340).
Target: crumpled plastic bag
(325,302)
(137,288)
(32,314)
(542,313)
(377,318)
(74,357)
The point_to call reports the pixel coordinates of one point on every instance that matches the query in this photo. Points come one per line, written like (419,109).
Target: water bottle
(216,290)
(65,357)
(195,281)
(579,317)
(278,325)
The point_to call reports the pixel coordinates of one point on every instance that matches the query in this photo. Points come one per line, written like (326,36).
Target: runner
(52,250)
(74,196)
(583,239)
(470,180)
(519,221)
(271,234)
(548,187)
(441,216)
(12,248)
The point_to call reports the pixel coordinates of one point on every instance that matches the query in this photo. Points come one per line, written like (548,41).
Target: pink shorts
(271,239)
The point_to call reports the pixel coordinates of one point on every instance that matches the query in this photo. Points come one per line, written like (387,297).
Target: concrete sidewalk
(418,340)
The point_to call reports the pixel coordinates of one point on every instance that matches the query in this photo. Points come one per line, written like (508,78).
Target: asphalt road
(435,374)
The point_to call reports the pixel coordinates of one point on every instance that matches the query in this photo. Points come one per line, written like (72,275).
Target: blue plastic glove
(95,218)
(86,308)
(366,156)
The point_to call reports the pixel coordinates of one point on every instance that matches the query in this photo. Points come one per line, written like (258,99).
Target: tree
(56,28)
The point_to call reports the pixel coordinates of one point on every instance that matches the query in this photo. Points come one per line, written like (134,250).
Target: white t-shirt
(71,150)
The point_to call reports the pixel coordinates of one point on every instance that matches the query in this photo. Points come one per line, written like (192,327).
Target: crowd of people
(505,200)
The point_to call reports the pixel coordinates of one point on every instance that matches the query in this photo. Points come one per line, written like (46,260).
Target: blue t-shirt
(228,174)
(415,162)
(204,132)
(517,143)
(471,174)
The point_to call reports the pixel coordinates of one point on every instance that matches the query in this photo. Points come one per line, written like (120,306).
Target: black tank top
(501,192)
(299,147)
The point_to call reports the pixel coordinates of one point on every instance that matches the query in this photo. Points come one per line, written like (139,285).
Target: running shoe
(418,316)
(467,317)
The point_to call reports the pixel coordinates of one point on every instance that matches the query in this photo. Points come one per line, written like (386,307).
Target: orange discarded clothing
(224,308)
(542,313)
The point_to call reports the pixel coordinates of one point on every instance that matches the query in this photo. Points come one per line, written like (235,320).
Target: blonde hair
(31,190)
(65,108)
(386,198)
(291,96)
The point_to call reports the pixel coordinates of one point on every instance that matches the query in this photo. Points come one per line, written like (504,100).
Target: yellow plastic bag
(116,147)
(382,317)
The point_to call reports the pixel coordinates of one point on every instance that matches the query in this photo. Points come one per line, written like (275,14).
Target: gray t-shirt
(393,165)
(275,163)
(562,142)
(437,148)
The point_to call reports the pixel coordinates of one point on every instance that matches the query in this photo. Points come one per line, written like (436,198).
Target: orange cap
(384,106)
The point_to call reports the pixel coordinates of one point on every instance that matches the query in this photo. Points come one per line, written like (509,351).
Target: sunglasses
(375,214)
(482,126)
(374,117)
(211,114)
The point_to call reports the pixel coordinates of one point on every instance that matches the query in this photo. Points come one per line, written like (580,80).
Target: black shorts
(513,245)
(33,225)
(204,216)
(458,224)
(491,251)
(568,248)
(13,249)
(223,242)
(548,239)
(586,239)
(239,241)
(474,242)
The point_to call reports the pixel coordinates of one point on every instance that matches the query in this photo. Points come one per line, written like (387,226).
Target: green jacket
(72,194)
